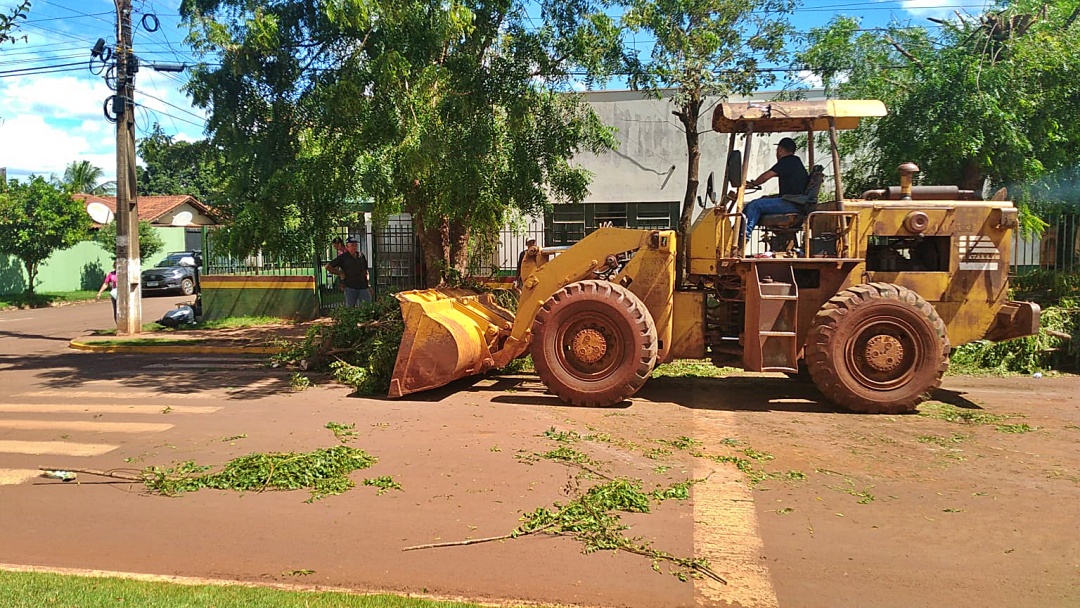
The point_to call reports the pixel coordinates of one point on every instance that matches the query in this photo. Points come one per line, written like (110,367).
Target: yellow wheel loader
(865,296)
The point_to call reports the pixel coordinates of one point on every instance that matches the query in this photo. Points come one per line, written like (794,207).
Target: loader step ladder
(772,306)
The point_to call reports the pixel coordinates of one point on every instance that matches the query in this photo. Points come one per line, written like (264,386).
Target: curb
(173,349)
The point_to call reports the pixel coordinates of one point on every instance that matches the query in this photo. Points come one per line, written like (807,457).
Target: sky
(51,101)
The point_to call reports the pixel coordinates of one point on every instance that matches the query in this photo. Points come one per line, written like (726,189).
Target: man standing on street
(352,267)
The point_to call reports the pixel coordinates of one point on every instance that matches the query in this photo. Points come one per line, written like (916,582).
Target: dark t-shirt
(792,175)
(356,270)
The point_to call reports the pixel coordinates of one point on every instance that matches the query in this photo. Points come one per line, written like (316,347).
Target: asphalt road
(41,331)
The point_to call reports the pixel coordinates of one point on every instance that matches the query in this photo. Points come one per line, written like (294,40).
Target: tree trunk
(688,114)
(459,247)
(433,249)
(972,178)
(31,275)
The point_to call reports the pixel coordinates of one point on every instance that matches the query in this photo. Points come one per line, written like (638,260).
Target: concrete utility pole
(129,298)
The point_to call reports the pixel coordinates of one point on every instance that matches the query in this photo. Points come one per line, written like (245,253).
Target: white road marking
(726,527)
(84,425)
(59,448)
(16,319)
(10,477)
(95,394)
(105,408)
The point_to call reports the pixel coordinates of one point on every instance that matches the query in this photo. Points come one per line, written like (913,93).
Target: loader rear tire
(593,343)
(877,349)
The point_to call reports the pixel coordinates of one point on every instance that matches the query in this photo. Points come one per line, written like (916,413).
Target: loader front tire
(877,348)
(593,343)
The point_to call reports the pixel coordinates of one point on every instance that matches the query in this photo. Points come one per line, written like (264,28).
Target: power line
(37,69)
(80,13)
(144,93)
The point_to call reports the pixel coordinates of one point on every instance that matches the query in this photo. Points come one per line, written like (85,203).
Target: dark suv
(169,275)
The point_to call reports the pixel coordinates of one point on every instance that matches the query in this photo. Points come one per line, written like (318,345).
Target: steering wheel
(751,187)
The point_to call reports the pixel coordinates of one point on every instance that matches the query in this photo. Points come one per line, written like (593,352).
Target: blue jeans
(766,206)
(353,297)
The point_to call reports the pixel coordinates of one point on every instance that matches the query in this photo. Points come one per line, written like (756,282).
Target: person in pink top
(110,284)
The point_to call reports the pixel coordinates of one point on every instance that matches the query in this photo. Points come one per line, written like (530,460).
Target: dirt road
(972,503)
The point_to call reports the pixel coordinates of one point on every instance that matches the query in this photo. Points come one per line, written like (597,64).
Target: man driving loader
(793,178)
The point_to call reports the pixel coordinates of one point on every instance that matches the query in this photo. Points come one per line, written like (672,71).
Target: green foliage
(384,483)
(173,167)
(323,471)
(448,110)
(38,218)
(951,413)
(1047,288)
(967,104)
(709,48)
(689,368)
(562,436)
(344,432)
(150,244)
(681,442)
(300,382)
(676,491)
(359,346)
(593,519)
(10,22)
(82,177)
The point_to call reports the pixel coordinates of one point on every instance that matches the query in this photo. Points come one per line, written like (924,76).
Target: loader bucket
(448,335)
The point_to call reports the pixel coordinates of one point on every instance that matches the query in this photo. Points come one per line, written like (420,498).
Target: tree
(178,167)
(36,219)
(454,111)
(10,22)
(986,103)
(150,244)
(81,176)
(705,48)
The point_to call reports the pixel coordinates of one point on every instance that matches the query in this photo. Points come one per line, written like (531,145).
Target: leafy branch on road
(592,517)
(323,471)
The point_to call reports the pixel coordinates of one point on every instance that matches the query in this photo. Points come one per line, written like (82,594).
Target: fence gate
(396,259)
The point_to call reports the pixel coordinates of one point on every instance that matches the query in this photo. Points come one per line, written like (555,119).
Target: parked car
(170,275)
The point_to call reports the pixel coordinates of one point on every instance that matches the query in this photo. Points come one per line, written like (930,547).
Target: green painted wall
(224,296)
(81,267)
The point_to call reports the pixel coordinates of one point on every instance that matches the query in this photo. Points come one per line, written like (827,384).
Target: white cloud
(810,79)
(940,9)
(48,121)
(57,97)
(31,145)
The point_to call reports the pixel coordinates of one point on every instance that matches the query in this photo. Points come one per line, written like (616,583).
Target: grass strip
(41,590)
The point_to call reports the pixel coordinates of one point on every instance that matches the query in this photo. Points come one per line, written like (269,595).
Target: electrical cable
(174,106)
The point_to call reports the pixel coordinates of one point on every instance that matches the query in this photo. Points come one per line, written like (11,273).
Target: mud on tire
(593,343)
(877,348)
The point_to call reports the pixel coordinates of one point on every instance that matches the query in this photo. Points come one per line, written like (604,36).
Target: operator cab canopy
(794,116)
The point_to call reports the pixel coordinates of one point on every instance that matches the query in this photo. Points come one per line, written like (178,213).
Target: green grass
(234,323)
(951,413)
(692,368)
(35,589)
(40,300)
(146,341)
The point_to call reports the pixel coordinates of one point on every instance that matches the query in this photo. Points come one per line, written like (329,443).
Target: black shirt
(792,175)
(356,270)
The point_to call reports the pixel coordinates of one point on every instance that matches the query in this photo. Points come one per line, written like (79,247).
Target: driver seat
(782,228)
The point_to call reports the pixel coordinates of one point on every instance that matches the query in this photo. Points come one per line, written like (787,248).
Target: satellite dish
(100,213)
(182,219)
